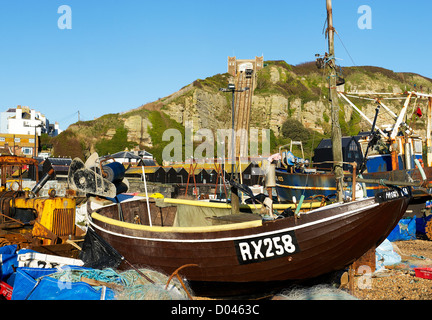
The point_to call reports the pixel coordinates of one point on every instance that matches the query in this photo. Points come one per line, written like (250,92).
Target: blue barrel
(114,171)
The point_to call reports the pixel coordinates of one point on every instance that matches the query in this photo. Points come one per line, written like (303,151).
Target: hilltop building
(236,66)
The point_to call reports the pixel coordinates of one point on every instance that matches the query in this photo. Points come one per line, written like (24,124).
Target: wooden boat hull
(257,252)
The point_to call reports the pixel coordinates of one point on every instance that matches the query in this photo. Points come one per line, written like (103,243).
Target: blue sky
(122,54)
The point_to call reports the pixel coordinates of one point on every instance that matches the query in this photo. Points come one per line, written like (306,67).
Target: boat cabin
(351,151)
(379,157)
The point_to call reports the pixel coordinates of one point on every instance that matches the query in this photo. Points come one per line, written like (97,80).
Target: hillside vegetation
(286,96)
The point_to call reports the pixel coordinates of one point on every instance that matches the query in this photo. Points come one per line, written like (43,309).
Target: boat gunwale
(258,224)
(159,229)
(214,228)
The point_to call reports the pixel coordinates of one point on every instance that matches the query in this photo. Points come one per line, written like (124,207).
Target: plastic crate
(425,273)
(5,290)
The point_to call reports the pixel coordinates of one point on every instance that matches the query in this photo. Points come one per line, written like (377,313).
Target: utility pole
(336,130)
(235,203)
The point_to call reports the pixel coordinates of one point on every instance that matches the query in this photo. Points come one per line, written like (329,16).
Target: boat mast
(336,135)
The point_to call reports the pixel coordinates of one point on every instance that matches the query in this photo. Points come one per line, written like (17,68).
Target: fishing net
(139,288)
(128,285)
(318,292)
(145,284)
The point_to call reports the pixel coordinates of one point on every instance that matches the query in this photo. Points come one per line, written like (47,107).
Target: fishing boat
(314,183)
(403,163)
(232,249)
(231,255)
(392,154)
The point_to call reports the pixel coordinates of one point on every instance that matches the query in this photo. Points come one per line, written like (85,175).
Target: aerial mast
(336,134)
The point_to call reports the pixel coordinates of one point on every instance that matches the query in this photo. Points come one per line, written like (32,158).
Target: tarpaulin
(25,281)
(8,260)
(385,255)
(421,224)
(405,230)
(36,284)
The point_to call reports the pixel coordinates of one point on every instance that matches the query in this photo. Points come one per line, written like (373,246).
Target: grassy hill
(283,92)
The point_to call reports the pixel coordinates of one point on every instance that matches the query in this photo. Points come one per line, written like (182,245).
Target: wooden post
(351,279)
(336,129)
(354,176)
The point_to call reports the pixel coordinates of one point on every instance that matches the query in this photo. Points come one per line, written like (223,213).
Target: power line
(69,116)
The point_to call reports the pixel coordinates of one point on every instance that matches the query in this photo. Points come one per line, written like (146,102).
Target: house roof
(196,167)
(239,168)
(125,154)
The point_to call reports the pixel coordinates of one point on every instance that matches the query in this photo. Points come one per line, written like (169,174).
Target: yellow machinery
(27,219)
(54,218)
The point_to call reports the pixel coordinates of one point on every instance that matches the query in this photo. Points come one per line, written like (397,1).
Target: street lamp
(234,192)
(35,153)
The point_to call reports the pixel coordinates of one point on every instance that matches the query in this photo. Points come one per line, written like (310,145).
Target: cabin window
(353,151)
(353,147)
(418,149)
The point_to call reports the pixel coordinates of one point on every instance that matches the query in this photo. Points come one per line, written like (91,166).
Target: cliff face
(282,91)
(203,106)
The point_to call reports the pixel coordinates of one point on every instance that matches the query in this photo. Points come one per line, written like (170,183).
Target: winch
(27,219)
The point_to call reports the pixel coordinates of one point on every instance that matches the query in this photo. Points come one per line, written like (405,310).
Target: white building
(4,117)
(23,120)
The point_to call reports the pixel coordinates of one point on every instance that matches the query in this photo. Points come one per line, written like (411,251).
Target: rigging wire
(324,31)
(345,48)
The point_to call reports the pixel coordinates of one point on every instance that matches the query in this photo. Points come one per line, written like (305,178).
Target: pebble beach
(399,282)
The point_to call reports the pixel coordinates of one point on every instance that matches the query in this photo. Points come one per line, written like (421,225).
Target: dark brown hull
(289,249)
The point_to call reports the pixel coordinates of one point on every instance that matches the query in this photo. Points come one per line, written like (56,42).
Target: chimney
(18,113)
